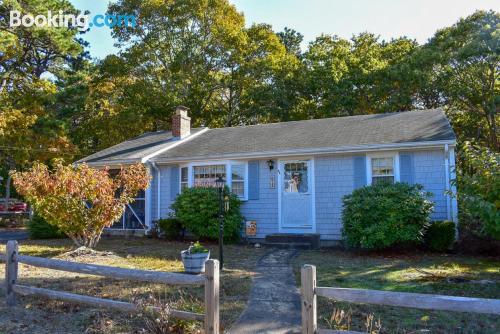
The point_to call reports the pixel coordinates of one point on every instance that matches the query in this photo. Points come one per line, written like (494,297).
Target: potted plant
(194,258)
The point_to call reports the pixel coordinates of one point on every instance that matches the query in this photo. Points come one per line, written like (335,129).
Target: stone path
(274,305)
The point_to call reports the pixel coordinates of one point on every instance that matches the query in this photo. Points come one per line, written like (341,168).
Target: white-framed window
(184,177)
(204,174)
(382,167)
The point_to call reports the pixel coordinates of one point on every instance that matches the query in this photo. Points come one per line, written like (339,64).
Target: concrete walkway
(274,305)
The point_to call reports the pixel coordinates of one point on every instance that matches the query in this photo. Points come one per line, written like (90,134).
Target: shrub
(384,215)
(40,229)
(170,227)
(198,209)
(440,235)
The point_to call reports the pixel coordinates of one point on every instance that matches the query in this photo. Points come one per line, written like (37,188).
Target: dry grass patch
(42,316)
(422,273)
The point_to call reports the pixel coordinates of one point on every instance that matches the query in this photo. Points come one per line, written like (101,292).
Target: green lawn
(424,273)
(33,315)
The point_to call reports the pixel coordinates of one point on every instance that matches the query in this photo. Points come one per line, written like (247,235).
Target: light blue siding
(264,210)
(334,178)
(165,192)
(430,172)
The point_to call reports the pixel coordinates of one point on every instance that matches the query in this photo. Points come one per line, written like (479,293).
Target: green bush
(385,215)
(39,229)
(440,235)
(198,209)
(171,227)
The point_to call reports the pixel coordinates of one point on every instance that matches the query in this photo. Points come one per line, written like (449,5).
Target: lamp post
(220,183)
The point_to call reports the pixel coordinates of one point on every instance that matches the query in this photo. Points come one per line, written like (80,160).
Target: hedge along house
(291,176)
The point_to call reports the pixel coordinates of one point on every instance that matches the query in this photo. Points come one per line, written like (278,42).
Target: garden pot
(194,263)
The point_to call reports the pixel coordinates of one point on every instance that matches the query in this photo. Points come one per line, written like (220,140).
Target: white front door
(296,187)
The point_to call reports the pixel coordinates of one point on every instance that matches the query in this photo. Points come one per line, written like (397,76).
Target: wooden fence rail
(210,280)
(309,293)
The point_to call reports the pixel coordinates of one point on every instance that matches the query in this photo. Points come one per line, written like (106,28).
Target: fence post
(308,296)
(212,297)
(10,271)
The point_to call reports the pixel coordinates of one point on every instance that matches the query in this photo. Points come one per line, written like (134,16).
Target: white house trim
(317,151)
(179,141)
(227,163)
(388,154)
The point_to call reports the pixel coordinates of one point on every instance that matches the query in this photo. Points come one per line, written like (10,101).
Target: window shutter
(406,168)
(253,179)
(174,182)
(359,172)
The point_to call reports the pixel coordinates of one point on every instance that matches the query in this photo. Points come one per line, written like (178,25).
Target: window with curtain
(382,170)
(205,176)
(238,180)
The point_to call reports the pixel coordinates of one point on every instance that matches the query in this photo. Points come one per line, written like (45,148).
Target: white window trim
(227,163)
(391,154)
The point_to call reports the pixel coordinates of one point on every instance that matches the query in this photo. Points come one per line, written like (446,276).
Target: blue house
(291,176)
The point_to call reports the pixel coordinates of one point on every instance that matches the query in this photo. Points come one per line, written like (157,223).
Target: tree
(464,60)
(79,200)
(28,55)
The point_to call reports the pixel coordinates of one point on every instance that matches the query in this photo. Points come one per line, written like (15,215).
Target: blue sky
(388,18)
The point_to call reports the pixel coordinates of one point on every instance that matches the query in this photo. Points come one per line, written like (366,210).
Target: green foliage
(197,248)
(171,227)
(40,229)
(440,235)
(384,215)
(479,191)
(198,209)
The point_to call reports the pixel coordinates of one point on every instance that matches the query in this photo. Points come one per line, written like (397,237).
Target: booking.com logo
(81,21)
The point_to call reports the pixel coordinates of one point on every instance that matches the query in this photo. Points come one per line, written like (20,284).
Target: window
(295,178)
(238,180)
(382,170)
(184,178)
(205,175)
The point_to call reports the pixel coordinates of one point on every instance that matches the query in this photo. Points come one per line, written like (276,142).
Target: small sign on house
(251,228)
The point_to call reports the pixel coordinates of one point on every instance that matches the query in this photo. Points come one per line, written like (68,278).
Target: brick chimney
(181,123)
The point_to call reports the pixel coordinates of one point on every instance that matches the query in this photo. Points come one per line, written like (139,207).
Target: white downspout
(454,203)
(447,177)
(158,189)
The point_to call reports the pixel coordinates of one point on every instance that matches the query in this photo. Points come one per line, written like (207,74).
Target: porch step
(288,245)
(285,240)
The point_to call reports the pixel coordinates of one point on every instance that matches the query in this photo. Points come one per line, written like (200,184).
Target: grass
(44,316)
(423,273)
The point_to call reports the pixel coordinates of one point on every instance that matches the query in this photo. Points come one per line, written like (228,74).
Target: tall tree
(464,62)
(28,56)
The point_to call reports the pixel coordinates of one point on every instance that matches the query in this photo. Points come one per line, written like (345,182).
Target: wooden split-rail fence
(210,280)
(309,293)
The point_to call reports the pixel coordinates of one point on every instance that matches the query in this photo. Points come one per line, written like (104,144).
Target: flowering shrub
(79,200)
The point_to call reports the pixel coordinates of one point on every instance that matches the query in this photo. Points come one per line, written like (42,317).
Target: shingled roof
(336,134)
(134,150)
(313,135)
